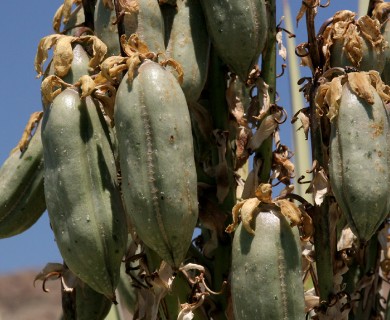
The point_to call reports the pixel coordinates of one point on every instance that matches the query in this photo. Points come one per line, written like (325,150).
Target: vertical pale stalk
(363,5)
(303,154)
(268,73)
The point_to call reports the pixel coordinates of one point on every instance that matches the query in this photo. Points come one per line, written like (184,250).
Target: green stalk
(320,214)
(268,73)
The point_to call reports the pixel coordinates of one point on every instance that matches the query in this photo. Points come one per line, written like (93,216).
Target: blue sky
(23,24)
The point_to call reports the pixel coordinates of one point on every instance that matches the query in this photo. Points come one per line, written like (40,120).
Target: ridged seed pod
(238,31)
(81,190)
(22,199)
(266,270)
(157,161)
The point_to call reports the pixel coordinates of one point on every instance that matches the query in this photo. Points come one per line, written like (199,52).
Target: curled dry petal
(370,29)
(132,65)
(44,46)
(99,50)
(31,124)
(57,19)
(290,211)
(264,193)
(281,47)
(112,66)
(353,44)
(381,11)
(130,6)
(319,186)
(267,127)
(177,67)
(235,214)
(263,98)
(360,84)
(87,85)
(51,86)
(248,211)
(63,55)
(306,227)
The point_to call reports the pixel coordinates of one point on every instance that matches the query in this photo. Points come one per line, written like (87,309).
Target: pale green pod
(189,45)
(266,270)
(91,305)
(22,199)
(238,31)
(157,161)
(147,23)
(359,166)
(81,190)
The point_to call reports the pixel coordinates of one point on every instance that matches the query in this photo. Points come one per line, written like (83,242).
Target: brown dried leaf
(63,55)
(50,268)
(264,193)
(51,86)
(26,136)
(353,45)
(130,6)
(248,211)
(87,85)
(370,29)
(106,94)
(176,66)
(301,12)
(303,116)
(235,105)
(319,186)
(381,11)
(382,89)
(99,50)
(57,19)
(45,44)
(307,227)
(132,65)
(267,127)
(242,138)
(360,84)
(263,98)
(235,214)
(290,211)
(112,66)
(333,97)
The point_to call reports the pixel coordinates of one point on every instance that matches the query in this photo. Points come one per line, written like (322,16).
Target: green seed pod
(238,31)
(22,199)
(91,305)
(359,166)
(81,190)
(157,161)
(146,22)
(266,270)
(189,44)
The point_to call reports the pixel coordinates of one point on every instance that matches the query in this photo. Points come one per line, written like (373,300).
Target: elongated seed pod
(147,23)
(238,31)
(81,191)
(189,44)
(91,305)
(157,161)
(266,270)
(359,165)
(22,199)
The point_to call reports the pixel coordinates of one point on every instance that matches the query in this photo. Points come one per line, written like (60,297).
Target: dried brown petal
(353,45)
(112,66)
(264,193)
(252,181)
(130,6)
(44,46)
(235,214)
(305,121)
(381,11)
(99,50)
(51,86)
(281,47)
(290,211)
(319,186)
(333,97)
(87,85)
(267,127)
(263,98)
(360,84)
(63,55)
(57,19)
(31,124)
(234,103)
(370,29)
(176,66)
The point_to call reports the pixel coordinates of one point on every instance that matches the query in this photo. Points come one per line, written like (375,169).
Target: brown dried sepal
(51,87)
(352,33)
(63,52)
(363,84)
(63,14)
(381,10)
(27,132)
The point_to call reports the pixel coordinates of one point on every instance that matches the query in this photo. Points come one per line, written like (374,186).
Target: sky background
(22,25)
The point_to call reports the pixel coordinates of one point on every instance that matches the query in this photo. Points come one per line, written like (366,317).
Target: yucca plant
(169,189)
